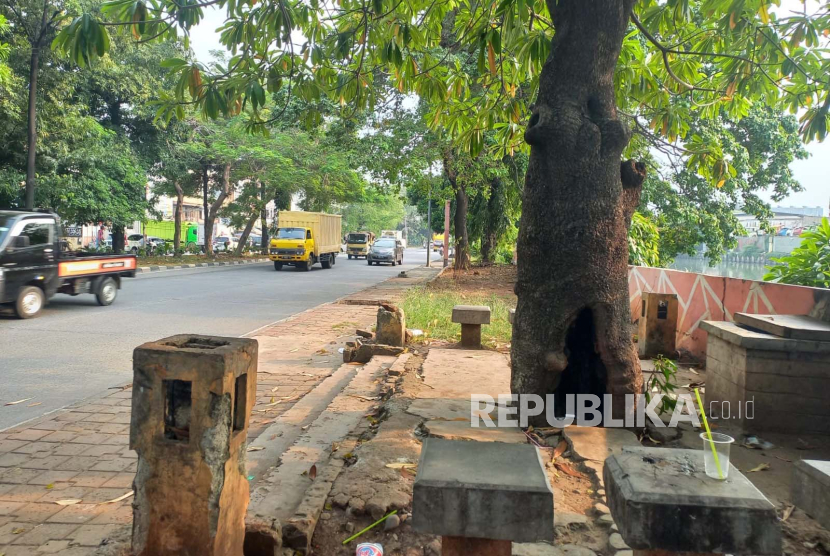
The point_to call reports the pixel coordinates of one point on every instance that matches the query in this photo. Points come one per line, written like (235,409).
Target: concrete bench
(481,496)
(471,317)
(663,503)
(811,489)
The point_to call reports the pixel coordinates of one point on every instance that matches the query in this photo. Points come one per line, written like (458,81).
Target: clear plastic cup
(722,444)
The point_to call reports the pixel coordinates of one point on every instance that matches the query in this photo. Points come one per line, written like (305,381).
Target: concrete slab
(471,314)
(597,443)
(752,339)
(661,499)
(797,327)
(811,489)
(442,409)
(482,490)
(457,373)
(544,549)
(462,430)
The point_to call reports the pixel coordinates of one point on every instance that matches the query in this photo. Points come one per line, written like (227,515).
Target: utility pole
(429,225)
(447,234)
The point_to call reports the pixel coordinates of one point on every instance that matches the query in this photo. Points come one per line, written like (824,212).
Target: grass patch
(431,311)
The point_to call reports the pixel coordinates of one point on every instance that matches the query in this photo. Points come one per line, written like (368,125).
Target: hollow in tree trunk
(572,326)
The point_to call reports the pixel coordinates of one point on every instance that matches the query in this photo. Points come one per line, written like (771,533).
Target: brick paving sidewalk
(82,452)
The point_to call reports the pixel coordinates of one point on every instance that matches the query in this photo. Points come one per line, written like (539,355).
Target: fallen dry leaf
(293,350)
(69,502)
(355,363)
(788,511)
(784,459)
(20,401)
(18,530)
(255,448)
(312,473)
(568,470)
(119,499)
(34,404)
(761,467)
(398,465)
(275,388)
(560,449)
(50,486)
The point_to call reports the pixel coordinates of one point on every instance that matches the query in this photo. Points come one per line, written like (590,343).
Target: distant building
(783,218)
(804,211)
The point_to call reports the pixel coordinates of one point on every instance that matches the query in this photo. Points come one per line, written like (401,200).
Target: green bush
(808,264)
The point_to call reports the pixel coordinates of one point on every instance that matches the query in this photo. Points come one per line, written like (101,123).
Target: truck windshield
(291,233)
(5,226)
(357,238)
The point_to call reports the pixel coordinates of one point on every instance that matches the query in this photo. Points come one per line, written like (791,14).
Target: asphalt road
(76,349)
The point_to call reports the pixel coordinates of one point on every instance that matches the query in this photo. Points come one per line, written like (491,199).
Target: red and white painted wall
(702,297)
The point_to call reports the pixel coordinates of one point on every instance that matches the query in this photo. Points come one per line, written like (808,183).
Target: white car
(135,242)
(224,243)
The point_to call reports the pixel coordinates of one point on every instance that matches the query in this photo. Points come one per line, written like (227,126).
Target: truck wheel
(350,257)
(29,302)
(107,291)
(307,266)
(277,265)
(327,262)
(333,259)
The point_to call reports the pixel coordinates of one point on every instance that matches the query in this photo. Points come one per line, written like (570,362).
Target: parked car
(135,242)
(386,250)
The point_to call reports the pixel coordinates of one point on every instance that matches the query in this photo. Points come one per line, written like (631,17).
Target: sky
(813,173)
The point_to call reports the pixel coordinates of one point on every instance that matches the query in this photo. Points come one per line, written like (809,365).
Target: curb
(440,272)
(159,268)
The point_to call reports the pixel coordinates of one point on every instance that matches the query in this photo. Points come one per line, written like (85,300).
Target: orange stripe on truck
(96,266)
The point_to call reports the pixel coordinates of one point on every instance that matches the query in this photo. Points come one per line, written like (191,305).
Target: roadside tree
(561,57)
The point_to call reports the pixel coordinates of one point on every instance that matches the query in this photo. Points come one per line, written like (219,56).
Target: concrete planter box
(763,383)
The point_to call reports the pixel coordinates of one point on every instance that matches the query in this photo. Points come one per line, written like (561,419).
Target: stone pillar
(471,335)
(657,330)
(192,398)
(391,326)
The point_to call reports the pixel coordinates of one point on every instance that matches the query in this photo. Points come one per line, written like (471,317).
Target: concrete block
(391,326)
(661,499)
(477,490)
(511,315)
(471,314)
(191,403)
(811,489)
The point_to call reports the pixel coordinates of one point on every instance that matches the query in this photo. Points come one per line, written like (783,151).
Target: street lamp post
(429,225)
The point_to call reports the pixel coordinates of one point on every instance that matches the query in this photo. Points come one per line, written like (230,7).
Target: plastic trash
(417,332)
(368,549)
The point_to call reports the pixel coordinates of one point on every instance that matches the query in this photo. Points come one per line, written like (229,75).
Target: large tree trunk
(177,219)
(488,241)
(462,238)
(263,215)
(572,326)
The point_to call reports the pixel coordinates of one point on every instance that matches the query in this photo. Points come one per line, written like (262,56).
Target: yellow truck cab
(359,243)
(305,238)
